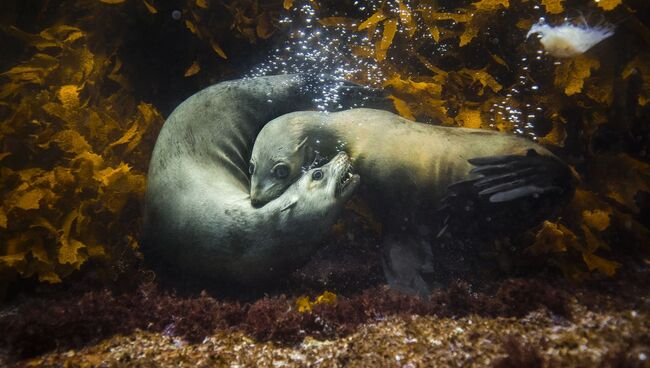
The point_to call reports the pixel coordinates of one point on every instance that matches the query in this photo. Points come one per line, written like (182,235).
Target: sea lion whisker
(442,231)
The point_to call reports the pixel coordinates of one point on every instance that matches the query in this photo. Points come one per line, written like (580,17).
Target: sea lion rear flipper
(405,261)
(510,192)
(509,177)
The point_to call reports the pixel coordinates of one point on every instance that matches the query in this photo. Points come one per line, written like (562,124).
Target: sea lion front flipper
(405,261)
(510,192)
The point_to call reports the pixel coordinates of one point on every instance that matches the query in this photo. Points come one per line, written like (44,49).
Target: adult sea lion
(198,215)
(415,174)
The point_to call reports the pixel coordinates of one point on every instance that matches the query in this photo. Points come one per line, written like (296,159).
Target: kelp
(76,139)
(304,304)
(461,65)
(73,156)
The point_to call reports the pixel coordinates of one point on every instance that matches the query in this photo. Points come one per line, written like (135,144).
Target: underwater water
(491,209)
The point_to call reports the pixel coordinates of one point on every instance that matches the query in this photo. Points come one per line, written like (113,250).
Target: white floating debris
(568,39)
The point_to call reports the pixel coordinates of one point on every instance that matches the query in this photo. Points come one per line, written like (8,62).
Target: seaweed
(274,318)
(519,297)
(630,356)
(519,355)
(81,113)
(66,320)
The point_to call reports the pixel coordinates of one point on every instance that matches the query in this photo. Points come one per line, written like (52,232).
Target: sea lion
(415,174)
(198,215)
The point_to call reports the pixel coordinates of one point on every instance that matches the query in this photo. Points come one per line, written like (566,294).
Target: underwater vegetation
(77,129)
(500,311)
(85,86)
(36,325)
(81,97)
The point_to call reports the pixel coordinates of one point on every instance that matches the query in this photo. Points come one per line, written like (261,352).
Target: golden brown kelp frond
(76,140)
(471,64)
(72,159)
(214,22)
(76,137)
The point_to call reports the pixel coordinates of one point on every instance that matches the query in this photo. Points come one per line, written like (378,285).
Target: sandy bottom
(618,338)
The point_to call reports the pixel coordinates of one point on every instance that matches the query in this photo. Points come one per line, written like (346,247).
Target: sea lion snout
(255,200)
(264,191)
(257,197)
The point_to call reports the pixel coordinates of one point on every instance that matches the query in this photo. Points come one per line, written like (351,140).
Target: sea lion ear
(301,144)
(308,154)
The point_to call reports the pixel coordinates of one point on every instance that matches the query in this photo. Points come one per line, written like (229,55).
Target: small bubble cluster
(323,52)
(522,116)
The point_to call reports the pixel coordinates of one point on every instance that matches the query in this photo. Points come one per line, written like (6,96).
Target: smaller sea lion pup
(422,180)
(198,214)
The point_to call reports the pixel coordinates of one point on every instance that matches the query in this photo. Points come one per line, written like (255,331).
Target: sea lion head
(276,164)
(322,189)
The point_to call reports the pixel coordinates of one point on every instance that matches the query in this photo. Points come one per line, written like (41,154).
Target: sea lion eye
(317,175)
(251,168)
(281,171)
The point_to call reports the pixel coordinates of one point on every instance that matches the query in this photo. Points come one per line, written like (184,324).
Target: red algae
(39,324)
